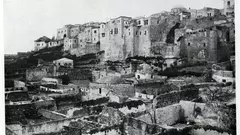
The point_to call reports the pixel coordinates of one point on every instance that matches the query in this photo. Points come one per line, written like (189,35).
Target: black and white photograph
(119,67)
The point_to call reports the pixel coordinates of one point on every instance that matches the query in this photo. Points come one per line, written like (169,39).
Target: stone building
(126,37)
(112,37)
(205,12)
(64,32)
(63,62)
(206,44)
(229,7)
(41,43)
(70,43)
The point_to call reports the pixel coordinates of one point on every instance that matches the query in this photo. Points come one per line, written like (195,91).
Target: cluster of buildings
(159,34)
(58,97)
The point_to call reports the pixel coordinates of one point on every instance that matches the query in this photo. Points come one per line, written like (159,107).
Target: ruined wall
(47,127)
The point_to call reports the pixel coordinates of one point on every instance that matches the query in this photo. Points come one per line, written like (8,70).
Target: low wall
(138,127)
(174,97)
(129,107)
(47,127)
(45,104)
(52,115)
(117,89)
(207,132)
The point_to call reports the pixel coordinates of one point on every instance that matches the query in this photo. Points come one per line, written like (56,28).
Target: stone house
(205,44)
(229,7)
(112,38)
(41,43)
(205,12)
(63,62)
(70,43)
(64,32)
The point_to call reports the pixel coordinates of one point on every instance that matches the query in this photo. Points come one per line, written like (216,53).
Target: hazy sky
(27,20)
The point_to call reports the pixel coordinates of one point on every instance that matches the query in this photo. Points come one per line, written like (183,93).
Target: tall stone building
(229,7)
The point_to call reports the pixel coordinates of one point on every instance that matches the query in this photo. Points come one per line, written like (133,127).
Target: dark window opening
(138,76)
(136,32)
(228,36)
(103,34)
(111,32)
(100,90)
(95,31)
(145,33)
(145,22)
(223,80)
(129,33)
(188,44)
(228,3)
(140,33)
(115,30)
(204,44)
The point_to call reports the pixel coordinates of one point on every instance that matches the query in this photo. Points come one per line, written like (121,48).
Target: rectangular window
(111,32)
(136,32)
(95,31)
(129,33)
(80,40)
(145,32)
(145,22)
(115,30)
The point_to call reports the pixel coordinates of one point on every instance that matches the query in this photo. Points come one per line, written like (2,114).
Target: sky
(27,20)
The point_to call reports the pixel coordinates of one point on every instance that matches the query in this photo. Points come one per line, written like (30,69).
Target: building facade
(41,43)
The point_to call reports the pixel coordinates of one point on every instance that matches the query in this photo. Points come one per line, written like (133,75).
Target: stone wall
(52,115)
(116,89)
(47,127)
(129,107)
(35,74)
(85,48)
(174,97)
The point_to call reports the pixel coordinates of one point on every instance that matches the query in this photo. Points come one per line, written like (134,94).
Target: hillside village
(169,73)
